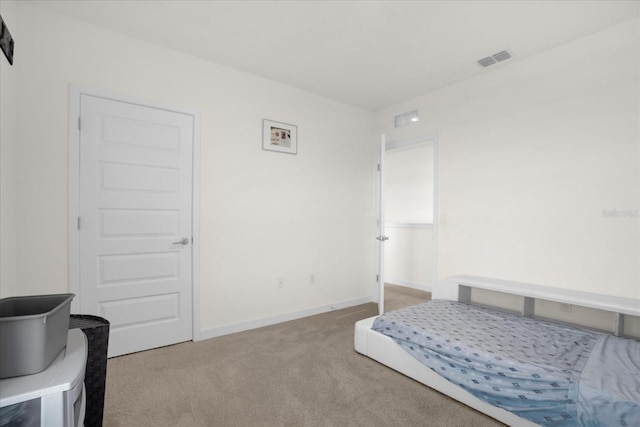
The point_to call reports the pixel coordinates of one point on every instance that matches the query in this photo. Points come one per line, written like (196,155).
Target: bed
(514,366)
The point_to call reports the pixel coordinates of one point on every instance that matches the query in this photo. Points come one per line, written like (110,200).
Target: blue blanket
(527,366)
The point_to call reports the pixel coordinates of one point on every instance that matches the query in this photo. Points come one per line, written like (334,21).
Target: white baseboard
(426,288)
(259,323)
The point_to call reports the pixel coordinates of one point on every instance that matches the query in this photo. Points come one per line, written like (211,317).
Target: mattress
(528,367)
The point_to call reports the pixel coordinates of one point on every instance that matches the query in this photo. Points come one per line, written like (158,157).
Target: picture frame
(280,137)
(6,41)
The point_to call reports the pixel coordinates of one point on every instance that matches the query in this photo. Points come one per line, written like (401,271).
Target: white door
(135,225)
(381,236)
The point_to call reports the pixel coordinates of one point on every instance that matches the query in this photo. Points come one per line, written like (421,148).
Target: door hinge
(78,223)
(378,167)
(377,278)
(79,126)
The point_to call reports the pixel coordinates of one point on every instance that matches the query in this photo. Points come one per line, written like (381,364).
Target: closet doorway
(409,186)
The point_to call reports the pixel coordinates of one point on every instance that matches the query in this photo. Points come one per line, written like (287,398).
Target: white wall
(408,180)
(8,157)
(531,153)
(263,214)
(408,256)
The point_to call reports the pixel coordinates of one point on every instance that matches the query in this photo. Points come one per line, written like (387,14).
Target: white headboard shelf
(459,288)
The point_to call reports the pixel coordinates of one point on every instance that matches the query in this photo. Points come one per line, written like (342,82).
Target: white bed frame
(384,350)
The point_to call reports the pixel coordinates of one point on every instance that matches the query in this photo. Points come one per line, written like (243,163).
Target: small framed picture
(281,137)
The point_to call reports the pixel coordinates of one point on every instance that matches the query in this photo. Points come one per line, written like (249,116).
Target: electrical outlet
(280,282)
(312,279)
(566,308)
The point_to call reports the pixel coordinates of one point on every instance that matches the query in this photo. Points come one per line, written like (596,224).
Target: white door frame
(381,224)
(424,140)
(75,92)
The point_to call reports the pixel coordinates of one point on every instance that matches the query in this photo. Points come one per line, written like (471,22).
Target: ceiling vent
(406,118)
(501,56)
(485,62)
(498,57)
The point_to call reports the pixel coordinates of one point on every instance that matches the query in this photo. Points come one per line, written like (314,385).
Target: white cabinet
(54,397)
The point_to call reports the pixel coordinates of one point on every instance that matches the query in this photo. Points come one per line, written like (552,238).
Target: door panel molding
(74,220)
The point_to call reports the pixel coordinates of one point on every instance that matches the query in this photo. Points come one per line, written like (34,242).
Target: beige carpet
(299,373)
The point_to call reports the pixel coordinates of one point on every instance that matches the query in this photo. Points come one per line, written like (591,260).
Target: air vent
(485,62)
(406,118)
(501,56)
(495,58)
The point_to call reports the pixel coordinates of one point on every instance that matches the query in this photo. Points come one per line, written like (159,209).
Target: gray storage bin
(33,331)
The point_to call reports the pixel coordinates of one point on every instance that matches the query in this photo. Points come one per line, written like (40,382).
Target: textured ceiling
(370,54)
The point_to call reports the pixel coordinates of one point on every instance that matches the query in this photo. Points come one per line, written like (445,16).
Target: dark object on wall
(97,331)
(6,41)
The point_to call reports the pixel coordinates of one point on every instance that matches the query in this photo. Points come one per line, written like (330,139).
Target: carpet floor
(299,373)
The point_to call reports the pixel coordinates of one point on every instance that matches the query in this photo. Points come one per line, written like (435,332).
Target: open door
(381,236)
(416,223)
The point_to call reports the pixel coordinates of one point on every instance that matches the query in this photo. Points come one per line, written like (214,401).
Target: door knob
(184,241)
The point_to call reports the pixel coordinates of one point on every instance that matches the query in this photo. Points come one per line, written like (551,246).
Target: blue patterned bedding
(550,374)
